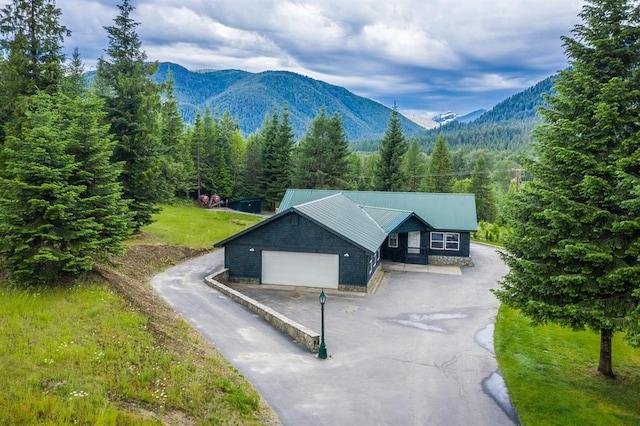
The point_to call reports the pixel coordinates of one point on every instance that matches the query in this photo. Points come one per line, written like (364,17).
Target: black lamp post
(322,352)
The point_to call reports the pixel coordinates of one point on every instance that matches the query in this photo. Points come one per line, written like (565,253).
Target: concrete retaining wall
(301,334)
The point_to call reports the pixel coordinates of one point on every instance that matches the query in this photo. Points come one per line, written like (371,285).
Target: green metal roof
(446,212)
(388,219)
(342,216)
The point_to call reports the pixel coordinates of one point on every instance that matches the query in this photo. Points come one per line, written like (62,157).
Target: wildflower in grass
(78,394)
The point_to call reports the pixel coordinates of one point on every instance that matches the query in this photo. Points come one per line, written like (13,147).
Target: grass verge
(107,350)
(551,374)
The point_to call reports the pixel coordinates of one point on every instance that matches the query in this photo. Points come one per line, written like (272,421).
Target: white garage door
(300,269)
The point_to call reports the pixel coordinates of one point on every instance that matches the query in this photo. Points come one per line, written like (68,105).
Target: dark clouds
(425,55)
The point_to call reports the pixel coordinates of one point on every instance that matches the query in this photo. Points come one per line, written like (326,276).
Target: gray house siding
(400,254)
(294,233)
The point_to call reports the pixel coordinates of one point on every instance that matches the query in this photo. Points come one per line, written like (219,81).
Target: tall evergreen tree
(236,154)
(100,204)
(482,187)
(252,168)
(31,40)
(322,158)
(389,171)
(357,179)
(278,140)
(441,177)
(573,253)
(221,175)
(60,205)
(91,145)
(415,168)
(133,106)
(178,166)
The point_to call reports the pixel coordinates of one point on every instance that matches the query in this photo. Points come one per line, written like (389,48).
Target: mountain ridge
(250,97)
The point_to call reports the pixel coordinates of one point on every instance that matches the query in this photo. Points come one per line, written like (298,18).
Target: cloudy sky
(425,55)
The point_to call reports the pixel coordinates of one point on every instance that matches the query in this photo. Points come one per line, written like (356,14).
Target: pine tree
(573,253)
(100,205)
(237,152)
(31,41)
(178,167)
(92,147)
(133,106)
(277,146)
(60,204)
(389,171)
(482,187)
(74,83)
(441,177)
(322,158)
(221,175)
(340,153)
(415,168)
(253,167)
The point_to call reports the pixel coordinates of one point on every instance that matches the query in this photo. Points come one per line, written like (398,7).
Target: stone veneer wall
(450,260)
(301,334)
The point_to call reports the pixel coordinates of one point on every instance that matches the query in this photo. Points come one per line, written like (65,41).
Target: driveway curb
(298,332)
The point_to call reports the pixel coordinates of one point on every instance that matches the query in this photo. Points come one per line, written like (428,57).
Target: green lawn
(82,354)
(552,379)
(197,227)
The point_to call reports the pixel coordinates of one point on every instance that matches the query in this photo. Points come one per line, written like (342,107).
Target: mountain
(507,126)
(521,106)
(437,120)
(249,97)
(445,118)
(467,118)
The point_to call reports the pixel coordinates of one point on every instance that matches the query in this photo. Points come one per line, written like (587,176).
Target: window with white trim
(378,256)
(452,241)
(393,240)
(445,241)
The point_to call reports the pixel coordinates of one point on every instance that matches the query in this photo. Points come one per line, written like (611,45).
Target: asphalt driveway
(418,351)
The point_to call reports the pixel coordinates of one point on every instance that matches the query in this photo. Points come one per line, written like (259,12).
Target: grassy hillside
(106,350)
(195,227)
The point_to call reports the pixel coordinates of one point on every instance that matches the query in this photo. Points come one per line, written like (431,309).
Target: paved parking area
(418,351)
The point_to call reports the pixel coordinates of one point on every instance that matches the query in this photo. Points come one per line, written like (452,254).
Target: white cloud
(414,51)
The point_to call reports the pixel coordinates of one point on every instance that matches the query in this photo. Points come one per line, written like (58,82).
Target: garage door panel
(300,269)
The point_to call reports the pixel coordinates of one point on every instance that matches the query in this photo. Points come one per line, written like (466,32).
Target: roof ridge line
(320,199)
(385,208)
(370,218)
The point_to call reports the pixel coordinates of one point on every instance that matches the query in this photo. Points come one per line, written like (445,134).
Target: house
(337,239)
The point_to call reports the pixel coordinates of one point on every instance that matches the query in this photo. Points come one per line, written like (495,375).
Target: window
(370,264)
(378,256)
(453,241)
(445,241)
(437,241)
(393,240)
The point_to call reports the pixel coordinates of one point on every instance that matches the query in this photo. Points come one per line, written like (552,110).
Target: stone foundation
(450,260)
